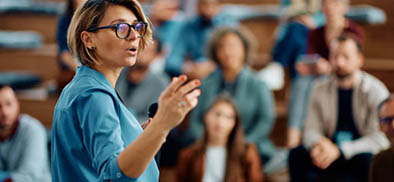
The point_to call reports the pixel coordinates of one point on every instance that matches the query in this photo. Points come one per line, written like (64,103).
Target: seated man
(314,64)
(341,129)
(138,86)
(23,143)
(382,165)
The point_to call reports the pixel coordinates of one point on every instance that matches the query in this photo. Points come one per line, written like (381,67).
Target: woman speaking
(95,137)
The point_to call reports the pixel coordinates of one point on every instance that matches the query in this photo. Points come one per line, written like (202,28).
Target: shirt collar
(88,71)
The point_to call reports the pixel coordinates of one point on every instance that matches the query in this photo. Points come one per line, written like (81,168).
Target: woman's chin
(130,61)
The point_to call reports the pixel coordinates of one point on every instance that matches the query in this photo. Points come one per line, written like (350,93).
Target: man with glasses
(382,165)
(341,128)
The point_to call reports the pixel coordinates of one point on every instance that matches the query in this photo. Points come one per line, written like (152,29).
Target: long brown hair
(236,145)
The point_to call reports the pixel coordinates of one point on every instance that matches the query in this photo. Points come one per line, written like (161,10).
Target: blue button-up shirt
(91,126)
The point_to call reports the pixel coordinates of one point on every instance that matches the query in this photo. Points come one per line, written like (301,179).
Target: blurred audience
(189,55)
(23,143)
(67,62)
(168,21)
(222,154)
(382,164)
(303,16)
(341,129)
(229,48)
(315,65)
(138,86)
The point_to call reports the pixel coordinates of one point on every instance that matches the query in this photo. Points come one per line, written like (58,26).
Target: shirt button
(118,175)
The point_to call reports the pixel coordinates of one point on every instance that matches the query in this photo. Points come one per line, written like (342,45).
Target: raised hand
(176,101)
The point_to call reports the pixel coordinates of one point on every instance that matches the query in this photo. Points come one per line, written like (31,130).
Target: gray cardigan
(322,116)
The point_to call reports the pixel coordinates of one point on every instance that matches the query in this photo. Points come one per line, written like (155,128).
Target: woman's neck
(217,141)
(231,74)
(111,73)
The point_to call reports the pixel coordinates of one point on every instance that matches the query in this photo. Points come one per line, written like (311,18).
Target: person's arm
(34,159)
(263,120)
(313,129)
(137,156)
(101,130)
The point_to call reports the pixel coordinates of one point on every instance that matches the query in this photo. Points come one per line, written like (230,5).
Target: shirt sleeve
(102,134)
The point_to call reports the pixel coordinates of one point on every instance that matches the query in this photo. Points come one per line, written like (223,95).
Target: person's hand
(324,153)
(146,123)
(323,67)
(293,137)
(176,101)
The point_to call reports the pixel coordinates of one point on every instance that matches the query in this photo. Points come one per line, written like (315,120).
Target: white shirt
(215,164)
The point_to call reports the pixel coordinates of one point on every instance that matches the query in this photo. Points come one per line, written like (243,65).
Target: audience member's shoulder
(371,83)
(190,151)
(29,124)
(252,78)
(212,78)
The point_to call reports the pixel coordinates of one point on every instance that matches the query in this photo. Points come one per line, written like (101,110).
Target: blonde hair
(90,15)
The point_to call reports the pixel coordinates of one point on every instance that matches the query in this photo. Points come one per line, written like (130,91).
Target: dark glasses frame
(386,120)
(115,26)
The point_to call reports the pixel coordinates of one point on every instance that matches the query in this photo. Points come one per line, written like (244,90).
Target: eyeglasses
(386,120)
(122,30)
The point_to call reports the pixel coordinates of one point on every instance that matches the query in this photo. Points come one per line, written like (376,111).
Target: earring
(92,48)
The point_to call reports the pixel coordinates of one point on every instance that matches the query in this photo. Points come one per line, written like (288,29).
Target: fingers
(315,152)
(192,98)
(188,87)
(175,84)
(144,125)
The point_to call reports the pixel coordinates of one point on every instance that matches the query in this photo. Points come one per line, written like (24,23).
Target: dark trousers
(353,170)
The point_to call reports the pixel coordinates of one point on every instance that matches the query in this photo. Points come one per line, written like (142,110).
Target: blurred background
(30,55)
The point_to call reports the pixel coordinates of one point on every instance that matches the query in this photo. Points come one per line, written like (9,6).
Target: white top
(215,164)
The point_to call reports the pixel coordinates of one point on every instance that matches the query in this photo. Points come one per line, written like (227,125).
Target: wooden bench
(44,24)
(40,109)
(41,61)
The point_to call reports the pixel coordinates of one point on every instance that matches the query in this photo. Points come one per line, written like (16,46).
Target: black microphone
(152,109)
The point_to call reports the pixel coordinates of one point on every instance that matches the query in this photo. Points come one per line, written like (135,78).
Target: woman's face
(109,49)
(231,52)
(220,120)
